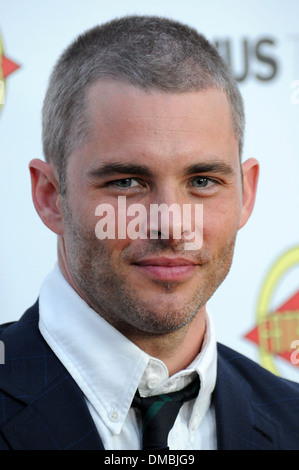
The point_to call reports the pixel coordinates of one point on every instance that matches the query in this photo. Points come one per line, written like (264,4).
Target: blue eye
(126,183)
(200,182)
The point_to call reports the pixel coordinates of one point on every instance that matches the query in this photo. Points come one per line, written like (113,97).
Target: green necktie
(159,412)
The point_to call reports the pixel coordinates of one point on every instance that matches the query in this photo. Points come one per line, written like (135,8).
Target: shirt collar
(108,367)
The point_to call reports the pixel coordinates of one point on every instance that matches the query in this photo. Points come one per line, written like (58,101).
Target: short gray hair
(149,52)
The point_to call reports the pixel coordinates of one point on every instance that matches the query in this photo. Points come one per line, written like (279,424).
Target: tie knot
(159,412)
(181,396)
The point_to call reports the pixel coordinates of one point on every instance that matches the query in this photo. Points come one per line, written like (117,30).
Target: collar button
(114,415)
(153,382)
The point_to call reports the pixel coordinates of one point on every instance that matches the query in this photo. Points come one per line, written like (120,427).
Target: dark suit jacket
(42,408)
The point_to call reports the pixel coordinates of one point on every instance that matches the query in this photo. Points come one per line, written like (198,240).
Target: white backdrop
(261,37)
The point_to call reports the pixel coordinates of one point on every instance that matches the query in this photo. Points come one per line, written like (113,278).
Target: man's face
(153,148)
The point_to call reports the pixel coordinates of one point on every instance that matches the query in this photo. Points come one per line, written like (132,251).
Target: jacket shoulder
(252,372)
(274,397)
(246,369)
(29,364)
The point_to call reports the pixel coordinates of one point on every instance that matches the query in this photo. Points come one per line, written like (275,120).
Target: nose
(165,221)
(171,217)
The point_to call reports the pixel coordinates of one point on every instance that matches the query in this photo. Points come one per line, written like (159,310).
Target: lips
(163,261)
(167,269)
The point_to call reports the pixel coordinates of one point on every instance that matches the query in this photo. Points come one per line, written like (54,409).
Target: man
(141,111)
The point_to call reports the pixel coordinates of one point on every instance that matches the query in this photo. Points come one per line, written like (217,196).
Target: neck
(177,349)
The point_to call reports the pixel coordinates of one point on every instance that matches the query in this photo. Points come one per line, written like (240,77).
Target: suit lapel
(57,420)
(239,425)
(50,411)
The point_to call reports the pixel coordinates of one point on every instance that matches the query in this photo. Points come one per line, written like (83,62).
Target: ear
(45,194)
(250,170)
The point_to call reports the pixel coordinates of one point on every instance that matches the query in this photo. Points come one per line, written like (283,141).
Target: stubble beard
(106,291)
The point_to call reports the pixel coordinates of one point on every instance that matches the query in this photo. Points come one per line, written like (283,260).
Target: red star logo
(276,333)
(7,66)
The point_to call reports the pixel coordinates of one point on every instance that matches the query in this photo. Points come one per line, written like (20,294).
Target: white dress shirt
(109,368)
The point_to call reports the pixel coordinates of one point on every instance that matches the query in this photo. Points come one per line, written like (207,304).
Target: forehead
(129,123)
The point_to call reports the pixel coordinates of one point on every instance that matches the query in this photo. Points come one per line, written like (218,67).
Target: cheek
(220,222)
(109,228)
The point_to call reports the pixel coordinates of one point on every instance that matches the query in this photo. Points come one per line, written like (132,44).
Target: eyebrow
(120,168)
(209,167)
